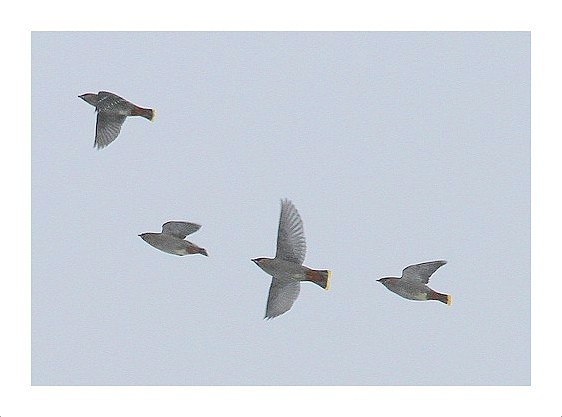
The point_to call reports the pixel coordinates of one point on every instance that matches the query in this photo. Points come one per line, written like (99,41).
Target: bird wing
(282,295)
(421,272)
(180,229)
(108,126)
(291,244)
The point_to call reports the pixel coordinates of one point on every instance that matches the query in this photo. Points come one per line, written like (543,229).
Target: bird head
(265,264)
(90,98)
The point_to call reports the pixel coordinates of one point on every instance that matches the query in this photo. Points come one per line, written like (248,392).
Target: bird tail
(146,113)
(319,277)
(444,298)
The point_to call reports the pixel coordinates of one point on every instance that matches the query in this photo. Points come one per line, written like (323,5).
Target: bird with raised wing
(171,240)
(413,283)
(287,269)
(112,111)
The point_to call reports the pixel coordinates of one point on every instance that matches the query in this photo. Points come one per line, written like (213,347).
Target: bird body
(287,269)
(112,111)
(412,284)
(171,239)
(413,291)
(292,270)
(171,244)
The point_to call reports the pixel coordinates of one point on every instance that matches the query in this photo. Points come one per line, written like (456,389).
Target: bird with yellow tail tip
(112,111)
(287,267)
(412,284)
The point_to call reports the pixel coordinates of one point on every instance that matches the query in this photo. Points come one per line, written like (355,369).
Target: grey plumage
(286,268)
(171,239)
(412,284)
(421,272)
(291,244)
(112,110)
(180,229)
(282,295)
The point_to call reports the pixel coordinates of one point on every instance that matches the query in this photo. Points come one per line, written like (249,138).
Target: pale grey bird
(112,111)
(412,284)
(286,268)
(171,240)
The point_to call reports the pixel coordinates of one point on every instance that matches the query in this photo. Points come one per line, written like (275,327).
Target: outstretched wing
(291,244)
(108,126)
(421,272)
(282,295)
(180,229)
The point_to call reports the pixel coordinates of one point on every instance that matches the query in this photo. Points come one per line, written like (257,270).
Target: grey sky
(396,148)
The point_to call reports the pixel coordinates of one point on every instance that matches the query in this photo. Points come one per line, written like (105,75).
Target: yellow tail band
(449,300)
(328,281)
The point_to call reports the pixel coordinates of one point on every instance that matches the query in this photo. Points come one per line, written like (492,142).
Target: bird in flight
(112,111)
(287,267)
(171,240)
(412,284)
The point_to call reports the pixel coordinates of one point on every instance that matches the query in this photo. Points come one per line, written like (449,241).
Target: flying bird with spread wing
(171,240)
(112,111)
(413,283)
(287,267)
